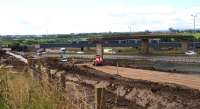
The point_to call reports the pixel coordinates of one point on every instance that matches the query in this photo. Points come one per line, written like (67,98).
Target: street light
(130,28)
(194,16)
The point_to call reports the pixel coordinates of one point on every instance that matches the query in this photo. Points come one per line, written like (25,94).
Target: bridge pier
(145,46)
(184,45)
(99,49)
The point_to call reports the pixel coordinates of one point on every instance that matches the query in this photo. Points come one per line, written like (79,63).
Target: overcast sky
(77,16)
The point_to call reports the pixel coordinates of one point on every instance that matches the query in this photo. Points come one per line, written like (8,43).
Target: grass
(19,91)
(196,35)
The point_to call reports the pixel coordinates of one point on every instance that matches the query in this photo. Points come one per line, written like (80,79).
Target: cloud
(100,19)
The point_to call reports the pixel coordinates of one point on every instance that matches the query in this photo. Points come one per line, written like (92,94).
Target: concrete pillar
(184,45)
(99,49)
(145,46)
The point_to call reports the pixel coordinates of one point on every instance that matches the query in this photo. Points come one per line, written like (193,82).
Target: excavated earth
(121,92)
(132,93)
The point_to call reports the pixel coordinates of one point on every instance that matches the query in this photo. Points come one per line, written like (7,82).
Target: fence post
(39,69)
(99,98)
(63,80)
(49,77)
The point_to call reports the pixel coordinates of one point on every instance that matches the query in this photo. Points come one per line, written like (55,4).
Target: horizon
(153,31)
(39,17)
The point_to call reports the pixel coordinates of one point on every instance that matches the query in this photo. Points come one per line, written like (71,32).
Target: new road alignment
(192,81)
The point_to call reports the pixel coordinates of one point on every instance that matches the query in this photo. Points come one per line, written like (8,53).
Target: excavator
(98,60)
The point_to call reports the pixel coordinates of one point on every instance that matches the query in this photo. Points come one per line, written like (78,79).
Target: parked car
(80,52)
(190,52)
(62,49)
(109,51)
(63,60)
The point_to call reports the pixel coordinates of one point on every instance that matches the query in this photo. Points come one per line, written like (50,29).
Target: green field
(67,38)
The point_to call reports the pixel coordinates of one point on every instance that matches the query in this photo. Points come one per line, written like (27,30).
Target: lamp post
(130,28)
(194,18)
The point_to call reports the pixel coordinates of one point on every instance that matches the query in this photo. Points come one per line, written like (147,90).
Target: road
(192,81)
(186,59)
(19,57)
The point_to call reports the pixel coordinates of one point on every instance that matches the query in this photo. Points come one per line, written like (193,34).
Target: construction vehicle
(63,55)
(98,60)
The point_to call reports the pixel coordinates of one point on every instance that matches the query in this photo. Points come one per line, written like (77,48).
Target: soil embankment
(136,93)
(127,90)
(189,80)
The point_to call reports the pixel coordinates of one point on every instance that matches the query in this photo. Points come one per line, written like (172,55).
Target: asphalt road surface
(186,59)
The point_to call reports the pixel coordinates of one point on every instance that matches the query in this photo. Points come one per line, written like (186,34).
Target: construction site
(99,54)
(141,81)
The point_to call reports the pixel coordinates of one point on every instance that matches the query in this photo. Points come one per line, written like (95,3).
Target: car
(190,52)
(63,60)
(111,52)
(80,52)
(39,54)
(62,49)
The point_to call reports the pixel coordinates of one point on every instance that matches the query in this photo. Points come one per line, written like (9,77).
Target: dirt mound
(132,93)
(126,92)
(150,95)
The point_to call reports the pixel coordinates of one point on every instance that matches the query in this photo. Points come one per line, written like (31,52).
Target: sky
(85,16)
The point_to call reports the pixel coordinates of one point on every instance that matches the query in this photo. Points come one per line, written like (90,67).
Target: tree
(171,29)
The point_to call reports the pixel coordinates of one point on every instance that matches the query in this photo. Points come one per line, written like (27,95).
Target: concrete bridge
(142,41)
(145,41)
